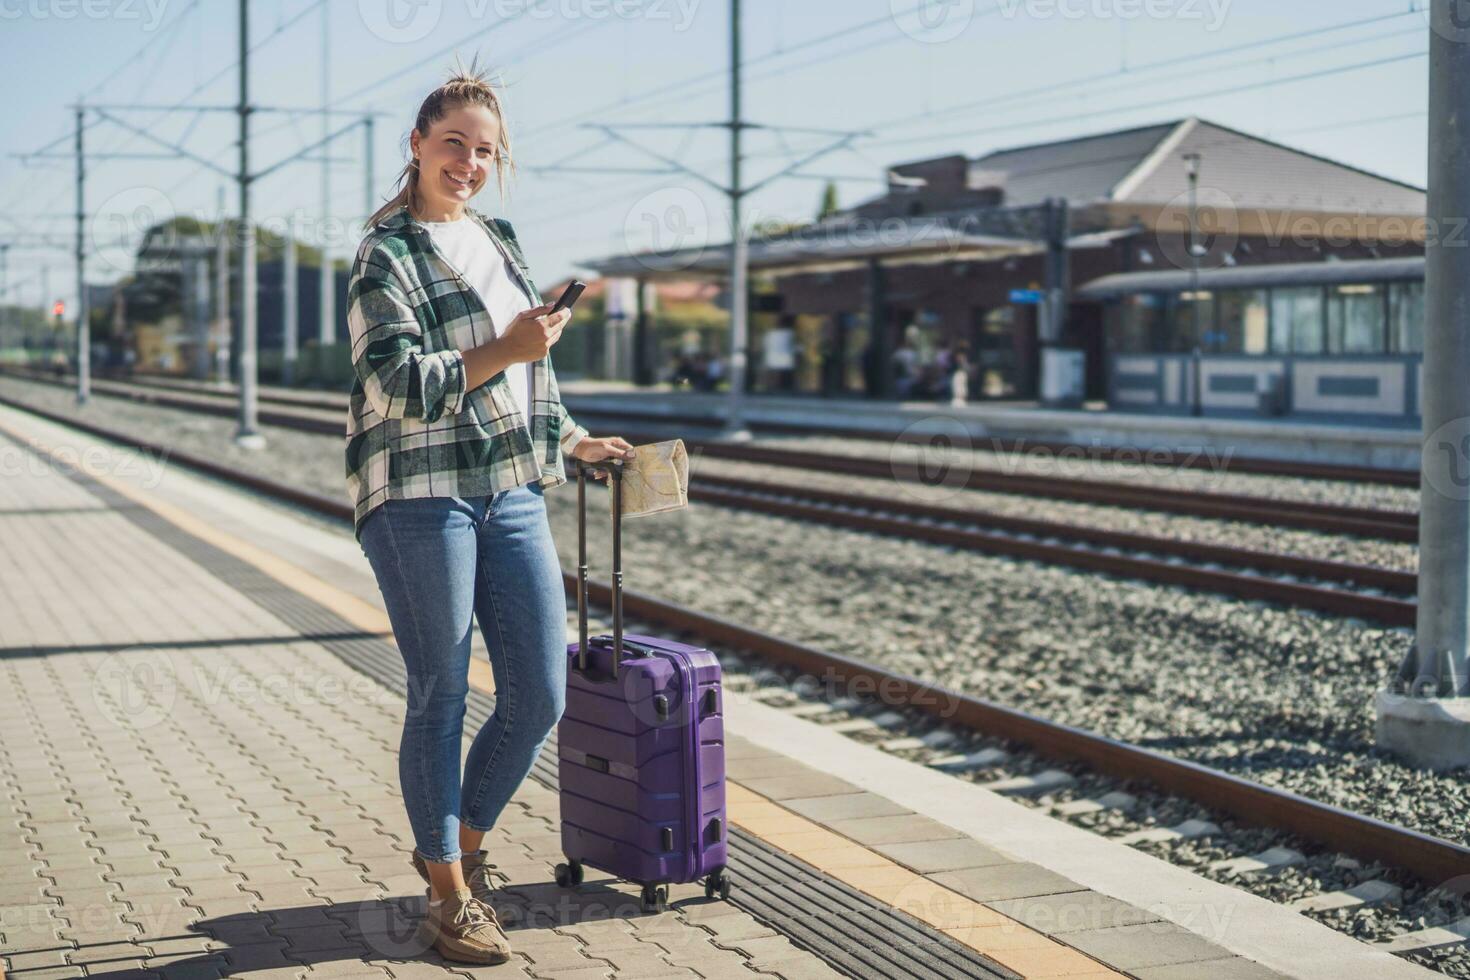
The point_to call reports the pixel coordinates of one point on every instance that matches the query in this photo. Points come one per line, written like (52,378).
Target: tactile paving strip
(851,931)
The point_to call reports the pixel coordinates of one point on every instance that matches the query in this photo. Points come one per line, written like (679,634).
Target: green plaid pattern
(413,429)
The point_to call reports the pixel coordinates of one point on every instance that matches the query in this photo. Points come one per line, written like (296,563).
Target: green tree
(829,205)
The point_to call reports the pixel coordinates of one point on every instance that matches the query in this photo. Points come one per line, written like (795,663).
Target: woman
(456,429)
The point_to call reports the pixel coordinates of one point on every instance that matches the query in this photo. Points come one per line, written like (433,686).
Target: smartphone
(569,295)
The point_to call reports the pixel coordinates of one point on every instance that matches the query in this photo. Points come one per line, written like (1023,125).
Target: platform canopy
(839,244)
(1410,269)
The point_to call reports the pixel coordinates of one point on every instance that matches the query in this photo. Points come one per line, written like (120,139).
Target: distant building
(957,252)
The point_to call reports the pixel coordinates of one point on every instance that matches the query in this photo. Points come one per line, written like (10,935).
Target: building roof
(1144,166)
(1345,272)
(1081,170)
(1147,166)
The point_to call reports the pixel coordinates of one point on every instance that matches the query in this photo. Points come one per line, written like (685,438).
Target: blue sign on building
(1027,297)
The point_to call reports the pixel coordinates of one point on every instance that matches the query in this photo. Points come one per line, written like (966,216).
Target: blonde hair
(464,87)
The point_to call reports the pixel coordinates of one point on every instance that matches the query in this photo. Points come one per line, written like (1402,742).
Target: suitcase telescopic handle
(614,469)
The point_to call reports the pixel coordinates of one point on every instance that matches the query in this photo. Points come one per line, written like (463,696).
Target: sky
(914,79)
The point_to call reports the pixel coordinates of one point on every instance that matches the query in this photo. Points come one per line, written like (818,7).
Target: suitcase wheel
(655,897)
(717,881)
(569,874)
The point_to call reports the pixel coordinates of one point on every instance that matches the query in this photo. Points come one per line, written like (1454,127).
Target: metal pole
(1193,162)
(199,291)
(288,311)
(326,327)
(45,308)
(247,435)
(639,360)
(369,203)
(735,422)
(222,332)
(1425,715)
(84,337)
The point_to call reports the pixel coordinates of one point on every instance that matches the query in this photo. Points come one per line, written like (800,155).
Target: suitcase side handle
(614,469)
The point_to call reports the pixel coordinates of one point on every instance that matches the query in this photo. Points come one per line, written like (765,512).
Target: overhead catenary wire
(1168,100)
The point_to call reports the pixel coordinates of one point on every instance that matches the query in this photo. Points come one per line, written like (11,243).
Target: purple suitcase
(640,747)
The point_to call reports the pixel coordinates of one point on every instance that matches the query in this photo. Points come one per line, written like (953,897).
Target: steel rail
(1328,518)
(1009,445)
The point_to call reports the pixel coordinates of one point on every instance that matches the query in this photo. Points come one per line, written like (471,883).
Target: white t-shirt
(477,257)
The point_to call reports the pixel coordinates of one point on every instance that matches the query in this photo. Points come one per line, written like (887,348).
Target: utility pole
(222,330)
(737,191)
(739,290)
(1424,715)
(247,435)
(1192,164)
(289,328)
(84,337)
(45,306)
(369,182)
(197,277)
(326,326)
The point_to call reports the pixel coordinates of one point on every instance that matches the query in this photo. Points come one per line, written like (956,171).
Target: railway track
(1429,858)
(1375,523)
(1173,459)
(1336,588)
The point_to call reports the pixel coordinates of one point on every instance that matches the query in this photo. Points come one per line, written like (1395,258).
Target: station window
(1244,315)
(1135,324)
(1406,318)
(1355,319)
(1185,333)
(1296,320)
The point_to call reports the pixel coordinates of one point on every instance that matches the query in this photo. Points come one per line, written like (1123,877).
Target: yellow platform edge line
(998,937)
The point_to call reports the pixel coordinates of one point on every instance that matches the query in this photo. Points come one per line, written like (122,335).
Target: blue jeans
(437,560)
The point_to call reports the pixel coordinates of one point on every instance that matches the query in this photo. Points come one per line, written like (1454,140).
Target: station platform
(200,760)
(1284,439)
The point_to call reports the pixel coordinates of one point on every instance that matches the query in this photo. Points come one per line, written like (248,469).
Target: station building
(1297,266)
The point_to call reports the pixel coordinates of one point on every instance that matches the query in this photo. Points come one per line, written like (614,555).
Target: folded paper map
(656,479)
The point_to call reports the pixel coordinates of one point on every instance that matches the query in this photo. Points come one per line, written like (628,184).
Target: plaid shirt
(414,429)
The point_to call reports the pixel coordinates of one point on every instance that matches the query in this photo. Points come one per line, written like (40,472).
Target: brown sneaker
(465,929)
(475,868)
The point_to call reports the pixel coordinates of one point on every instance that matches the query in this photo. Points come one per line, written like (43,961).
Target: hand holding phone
(569,296)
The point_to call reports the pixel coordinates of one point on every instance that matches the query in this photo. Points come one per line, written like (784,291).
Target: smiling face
(456,158)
